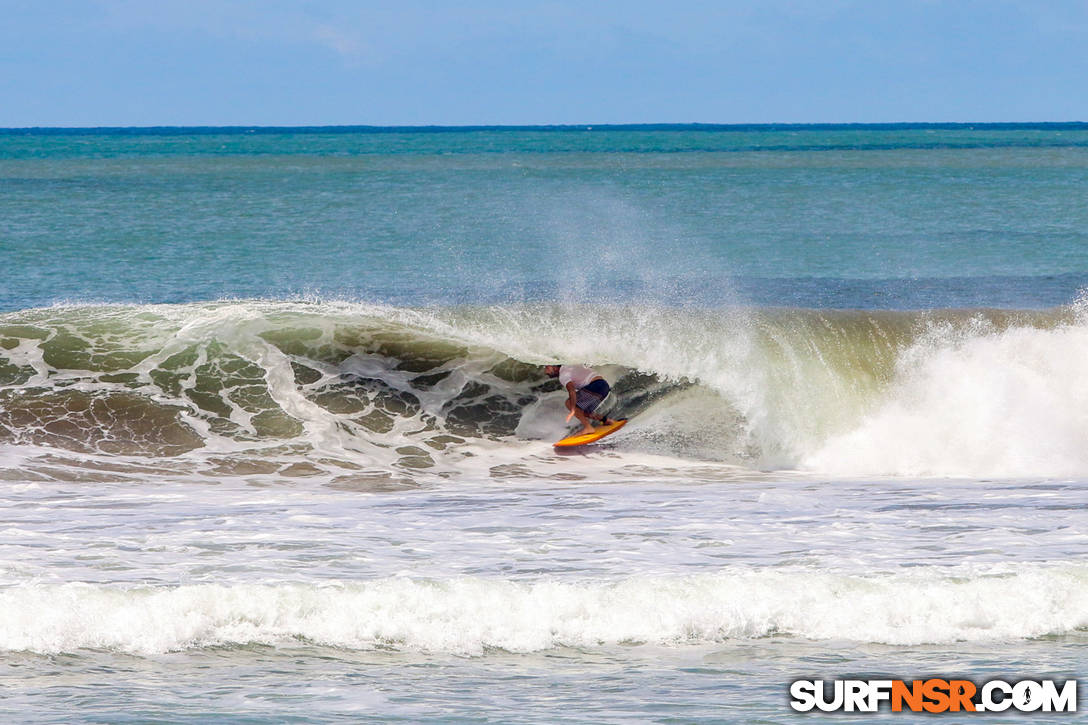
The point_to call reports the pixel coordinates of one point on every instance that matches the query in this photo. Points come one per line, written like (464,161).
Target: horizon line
(425,128)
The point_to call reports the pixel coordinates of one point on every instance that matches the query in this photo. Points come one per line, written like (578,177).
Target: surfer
(586,390)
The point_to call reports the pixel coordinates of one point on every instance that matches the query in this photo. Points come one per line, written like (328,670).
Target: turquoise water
(829,217)
(275,442)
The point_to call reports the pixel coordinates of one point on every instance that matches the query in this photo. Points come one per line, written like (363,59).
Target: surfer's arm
(572,392)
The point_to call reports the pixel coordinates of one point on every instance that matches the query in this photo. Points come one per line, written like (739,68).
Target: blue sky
(289,62)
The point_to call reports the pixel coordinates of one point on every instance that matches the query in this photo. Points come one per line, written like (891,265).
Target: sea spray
(330,388)
(975,399)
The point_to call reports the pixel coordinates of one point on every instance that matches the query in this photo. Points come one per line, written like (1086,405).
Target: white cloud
(292,23)
(349,45)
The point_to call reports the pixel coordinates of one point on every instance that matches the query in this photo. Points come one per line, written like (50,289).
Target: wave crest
(975,392)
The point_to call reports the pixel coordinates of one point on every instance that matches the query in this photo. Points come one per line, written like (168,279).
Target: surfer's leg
(583,418)
(589,399)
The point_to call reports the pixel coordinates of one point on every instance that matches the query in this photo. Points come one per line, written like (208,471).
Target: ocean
(275,438)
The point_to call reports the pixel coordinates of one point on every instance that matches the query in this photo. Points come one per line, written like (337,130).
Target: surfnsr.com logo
(933,695)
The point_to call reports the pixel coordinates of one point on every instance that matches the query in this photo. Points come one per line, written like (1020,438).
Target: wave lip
(470,615)
(323,388)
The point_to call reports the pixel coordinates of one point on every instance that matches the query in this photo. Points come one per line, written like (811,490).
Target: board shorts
(589,398)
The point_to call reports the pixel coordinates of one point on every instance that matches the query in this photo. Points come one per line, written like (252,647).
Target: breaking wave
(471,615)
(367,392)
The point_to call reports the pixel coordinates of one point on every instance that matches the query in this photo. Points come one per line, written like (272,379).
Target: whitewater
(353,391)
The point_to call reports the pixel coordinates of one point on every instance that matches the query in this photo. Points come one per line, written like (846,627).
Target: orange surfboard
(598,433)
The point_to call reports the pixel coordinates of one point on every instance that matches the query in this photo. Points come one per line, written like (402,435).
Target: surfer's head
(552,371)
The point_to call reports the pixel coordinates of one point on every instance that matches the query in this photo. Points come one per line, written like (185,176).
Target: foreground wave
(356,391)
(472,615)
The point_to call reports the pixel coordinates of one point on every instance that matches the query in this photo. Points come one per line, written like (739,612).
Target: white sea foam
(978,394)
(471,615)
(977,402)
(405,391)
